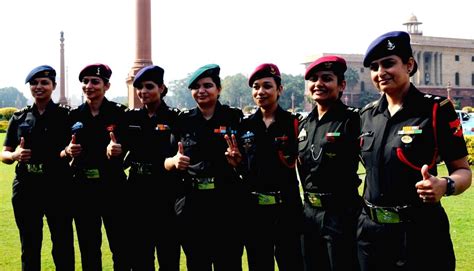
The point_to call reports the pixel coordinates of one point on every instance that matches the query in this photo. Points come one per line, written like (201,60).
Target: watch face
(450,186)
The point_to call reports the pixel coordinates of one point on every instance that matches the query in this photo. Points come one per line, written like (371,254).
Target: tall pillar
(143,48)
(62,85)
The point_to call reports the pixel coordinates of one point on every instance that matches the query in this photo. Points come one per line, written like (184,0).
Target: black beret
(149,73)
(391,43)
(208,70)
(264,70)
(100,70)
(326,63)
(41,71)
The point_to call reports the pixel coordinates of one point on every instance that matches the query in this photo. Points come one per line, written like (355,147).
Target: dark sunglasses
(41,82)
(148,86)
(93,81)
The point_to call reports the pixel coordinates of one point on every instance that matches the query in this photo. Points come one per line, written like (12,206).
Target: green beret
(208,70)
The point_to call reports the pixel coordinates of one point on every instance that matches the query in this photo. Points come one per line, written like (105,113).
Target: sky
(187,34)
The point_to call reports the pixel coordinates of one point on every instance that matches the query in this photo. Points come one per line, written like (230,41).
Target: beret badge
(390,45)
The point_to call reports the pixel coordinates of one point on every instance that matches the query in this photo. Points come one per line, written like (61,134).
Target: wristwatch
(450,186)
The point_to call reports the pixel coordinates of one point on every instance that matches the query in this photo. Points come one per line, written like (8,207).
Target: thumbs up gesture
(179,161)
(73,150)
(430,189)
(114,149)
(21,154)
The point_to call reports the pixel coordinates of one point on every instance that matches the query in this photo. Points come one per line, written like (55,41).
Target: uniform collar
(411,100)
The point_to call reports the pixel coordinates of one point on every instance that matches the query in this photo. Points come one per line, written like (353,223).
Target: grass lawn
(458,208)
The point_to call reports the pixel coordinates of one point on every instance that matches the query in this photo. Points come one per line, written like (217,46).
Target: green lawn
(458,208)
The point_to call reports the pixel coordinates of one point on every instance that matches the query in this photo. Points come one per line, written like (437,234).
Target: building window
(456,58)
(472,79)
(456,79)
(472,58)
(362,85)
(362,69)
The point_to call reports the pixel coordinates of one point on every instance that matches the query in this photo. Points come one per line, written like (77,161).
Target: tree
(293,92)
(236,91)
(179,95)
(12,97)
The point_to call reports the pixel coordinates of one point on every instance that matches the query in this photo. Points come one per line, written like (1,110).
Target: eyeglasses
(41,82)
(93,81)
(148,86)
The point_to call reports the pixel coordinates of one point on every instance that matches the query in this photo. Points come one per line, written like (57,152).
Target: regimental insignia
(456,125)
(390,45)
(407,139)
(410,130)
(98,71)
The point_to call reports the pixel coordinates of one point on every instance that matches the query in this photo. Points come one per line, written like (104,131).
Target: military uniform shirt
(328,145)
(393,148)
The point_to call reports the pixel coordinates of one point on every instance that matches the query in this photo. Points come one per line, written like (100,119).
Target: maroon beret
(326,63)
(100,70)
(264,70)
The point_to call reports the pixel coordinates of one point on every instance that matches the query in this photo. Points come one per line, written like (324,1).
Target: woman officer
(153,190)
(403,225)
(268,141)
(36,135)
(328,163)
(210,204)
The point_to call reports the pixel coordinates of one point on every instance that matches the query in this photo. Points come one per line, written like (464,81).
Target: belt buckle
(92,173)
(35,168)
(142,168)
(205,183)
(387,216)
(313,199)
(265,199)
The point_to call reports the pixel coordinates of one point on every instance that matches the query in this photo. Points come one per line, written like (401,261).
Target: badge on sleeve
(456,125)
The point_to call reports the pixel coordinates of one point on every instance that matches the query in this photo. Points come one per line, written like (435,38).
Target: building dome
(412,20)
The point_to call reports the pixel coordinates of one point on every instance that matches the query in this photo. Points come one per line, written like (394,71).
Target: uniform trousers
(96,202)
(33,198)
(423,243)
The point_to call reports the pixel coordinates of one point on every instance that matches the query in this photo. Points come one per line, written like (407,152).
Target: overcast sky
(237,35)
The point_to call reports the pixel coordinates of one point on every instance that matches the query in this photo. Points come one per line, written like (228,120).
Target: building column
(143,48)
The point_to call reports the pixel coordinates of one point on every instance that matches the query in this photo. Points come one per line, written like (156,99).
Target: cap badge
(46,73)
(328,65)
(98,71)
(272,70)
(390,45)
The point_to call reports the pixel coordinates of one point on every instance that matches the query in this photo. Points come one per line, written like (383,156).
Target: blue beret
(41,71)
(391,43)
(149,73)
(208,70)
(100,70)
(264,70)
(326,63)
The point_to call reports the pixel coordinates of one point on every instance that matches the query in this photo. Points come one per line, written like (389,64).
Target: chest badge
(407,139)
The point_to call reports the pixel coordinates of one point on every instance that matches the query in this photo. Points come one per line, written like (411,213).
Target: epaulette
(369,106)
(297,115)
(121,106)
(185,112)
(353,109)
(437,99)
(65,106)
(23,110)
(135,109)
(174,109)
